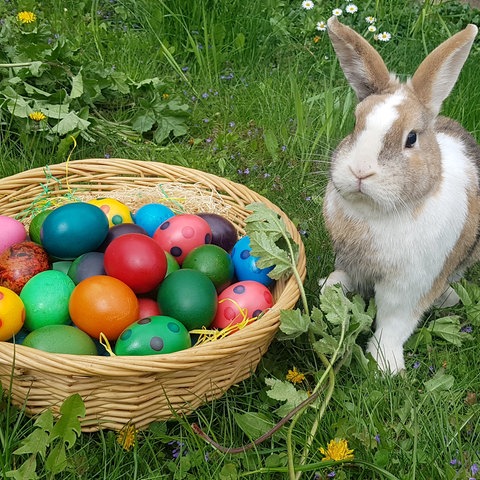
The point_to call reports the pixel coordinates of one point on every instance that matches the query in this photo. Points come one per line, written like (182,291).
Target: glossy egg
(182,233)
(103,304)
(116,211)
(245,263)
(189,296)
(137,260)
(86,265)
(118,231)
(147,307)
(12,314)
(46,297)
(73,229)
(214,262)
(224,233)
(12,230)
(36,225)
(152,336)
(20,262)
(241,300)
(151,215)
(61,339)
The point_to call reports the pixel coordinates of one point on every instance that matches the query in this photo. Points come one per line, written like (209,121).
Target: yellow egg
(116,211)
(12,314)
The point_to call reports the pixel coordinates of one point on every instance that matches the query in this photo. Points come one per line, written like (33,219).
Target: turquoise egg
(73,229)
(61,339)
(153,335)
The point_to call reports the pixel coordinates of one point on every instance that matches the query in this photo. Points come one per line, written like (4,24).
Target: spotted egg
(117,212)
(153,335)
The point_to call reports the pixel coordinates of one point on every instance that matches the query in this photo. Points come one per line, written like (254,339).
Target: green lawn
(250,91)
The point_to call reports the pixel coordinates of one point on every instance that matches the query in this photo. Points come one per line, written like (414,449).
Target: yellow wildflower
(37,116)
(316,39)
(26,17)
(295,376)
(127,437)
(165,96)
(337,450)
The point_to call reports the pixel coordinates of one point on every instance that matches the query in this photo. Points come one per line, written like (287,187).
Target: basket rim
(197,354)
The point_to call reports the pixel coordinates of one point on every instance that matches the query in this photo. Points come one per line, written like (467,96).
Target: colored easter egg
(36,225)
(46,297)
(245,263)
(86,265)
(151,215)
(12,314)
(61,339)
(137,260)
(172,264)
(152,336)
(240,301)
(62,265)
(224,233)
(73,229)
(118,231)
(189,296)
(13,231)
(20,262)
(147,307)
(182,233)
(116,211)
(214,262)
(103,304)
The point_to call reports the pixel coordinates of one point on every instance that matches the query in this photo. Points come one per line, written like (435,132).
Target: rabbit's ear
(362,64)
(437,74)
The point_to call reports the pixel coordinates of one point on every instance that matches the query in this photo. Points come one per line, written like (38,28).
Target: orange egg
(103,304)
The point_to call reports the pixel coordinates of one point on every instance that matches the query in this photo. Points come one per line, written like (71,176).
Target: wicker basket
(138,390)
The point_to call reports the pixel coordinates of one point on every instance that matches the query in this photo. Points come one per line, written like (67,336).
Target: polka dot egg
(116,211)
(153,335)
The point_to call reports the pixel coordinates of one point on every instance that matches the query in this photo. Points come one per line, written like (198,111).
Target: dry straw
(137,390)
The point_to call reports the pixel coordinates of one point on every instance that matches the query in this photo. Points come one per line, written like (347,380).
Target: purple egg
(224,233)
(86,265)
(118,231)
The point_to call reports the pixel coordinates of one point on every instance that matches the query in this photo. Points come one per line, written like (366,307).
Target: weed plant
(251,91)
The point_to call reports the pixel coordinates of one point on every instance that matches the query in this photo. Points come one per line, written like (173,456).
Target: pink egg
(181,233)
(13,231)
(246,299)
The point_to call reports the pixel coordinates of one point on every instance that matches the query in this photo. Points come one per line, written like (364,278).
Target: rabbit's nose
(361,174)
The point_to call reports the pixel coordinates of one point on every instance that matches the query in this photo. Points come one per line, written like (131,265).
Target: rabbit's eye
(411,139)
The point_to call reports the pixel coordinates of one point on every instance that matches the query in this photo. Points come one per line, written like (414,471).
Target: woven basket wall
(138,390)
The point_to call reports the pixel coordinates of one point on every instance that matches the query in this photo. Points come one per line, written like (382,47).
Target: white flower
(372,28)
(321,26)
(370,19)
(307,4)
(384,37)
(337,12)
(351,8)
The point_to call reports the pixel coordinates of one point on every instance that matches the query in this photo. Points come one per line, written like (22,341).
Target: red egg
(137,260)
(148,307)
(241,300)
(20,262)
(180,234)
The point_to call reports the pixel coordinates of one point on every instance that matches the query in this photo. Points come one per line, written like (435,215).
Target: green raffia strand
(180,207)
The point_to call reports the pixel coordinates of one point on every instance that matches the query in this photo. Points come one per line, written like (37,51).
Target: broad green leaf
(68,426)
(144,123)
(449,329)
(77,86)
(35,443)
(294,323)
(57,111)
(326,345)
(45,421)
(284,391)
(35,68)
(57,459)
(335,305)
(228,472)
(254,424)
(440,382)
(69,123)
(27,471)
(169,125)
(239,41)
(31,90)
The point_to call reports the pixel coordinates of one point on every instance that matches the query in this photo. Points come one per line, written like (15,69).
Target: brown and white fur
(403,215)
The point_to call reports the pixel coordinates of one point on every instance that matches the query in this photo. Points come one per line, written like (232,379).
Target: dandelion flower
(295,376)
(351,8)
(37,116)
(165,96)
(370,19)
(26,17)
(372,28)
(321,26)
(127,437)
(384,37)
(337,12)
(337,450)
(307,4)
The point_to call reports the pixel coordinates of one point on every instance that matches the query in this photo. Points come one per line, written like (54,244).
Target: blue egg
(245,264)
(151,215)
(73,229)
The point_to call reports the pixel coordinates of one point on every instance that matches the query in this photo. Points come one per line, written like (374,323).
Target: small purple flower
(246,171)
(240,171)
(231,124)
(416,364)
(266,175)
(454,461)
(208,140)
(185,69)
(377,438)
(178,448)
(283,148)
(474,469)
(205,120)
(467,329)
(308,198)
(205,95)
(331,474)
(107,155)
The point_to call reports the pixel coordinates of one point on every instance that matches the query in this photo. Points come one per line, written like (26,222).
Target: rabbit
(402,203)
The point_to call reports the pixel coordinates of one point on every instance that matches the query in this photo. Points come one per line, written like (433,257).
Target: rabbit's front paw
(389,357)
(337,277)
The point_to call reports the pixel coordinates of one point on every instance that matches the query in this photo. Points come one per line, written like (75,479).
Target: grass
(266,103)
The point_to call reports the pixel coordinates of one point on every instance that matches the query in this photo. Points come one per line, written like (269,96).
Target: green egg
(189,296)
(172,264)
(36,226)
(61,339)
(153,335)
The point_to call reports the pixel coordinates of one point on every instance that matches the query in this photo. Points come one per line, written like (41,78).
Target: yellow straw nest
(119,391)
